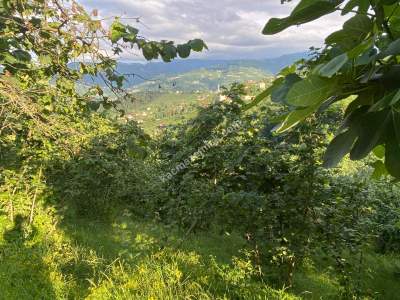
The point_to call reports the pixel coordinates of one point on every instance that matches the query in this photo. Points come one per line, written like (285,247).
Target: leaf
(197,45)
(132,30)
(184,50)
(371,129)
(379,151)
(379,170)
(339,147)
(117,31)
(276,25)
(279,94)
(386,101)
(94,105)
(304,12)
(294,118)
(22,55)
(334,66)
(354,31)
(148,52)
(392,155)
(392,49)
(311,91)
(362,5)
(396,124)
(107,105)
(388,2)
(361,48)
(350,6)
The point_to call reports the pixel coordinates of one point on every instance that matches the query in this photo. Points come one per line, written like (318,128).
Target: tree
(47,47)
(360,66)
(39,42)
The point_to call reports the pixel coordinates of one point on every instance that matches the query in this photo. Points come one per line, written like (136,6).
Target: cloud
(231,28)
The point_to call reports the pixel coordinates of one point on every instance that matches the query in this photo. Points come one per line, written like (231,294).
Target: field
(135,259)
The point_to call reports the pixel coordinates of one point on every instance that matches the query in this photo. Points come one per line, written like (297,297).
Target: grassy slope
(133,259)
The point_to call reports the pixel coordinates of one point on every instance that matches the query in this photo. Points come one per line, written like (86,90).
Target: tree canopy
(47,47)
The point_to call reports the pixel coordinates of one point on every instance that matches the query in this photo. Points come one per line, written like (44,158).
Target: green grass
(73,258)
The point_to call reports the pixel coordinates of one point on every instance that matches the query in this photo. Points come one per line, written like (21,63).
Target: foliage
(46,48)
(361,60)
(272,190)
(74,174)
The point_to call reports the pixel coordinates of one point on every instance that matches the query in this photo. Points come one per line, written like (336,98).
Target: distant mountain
(201,80)
(140,73)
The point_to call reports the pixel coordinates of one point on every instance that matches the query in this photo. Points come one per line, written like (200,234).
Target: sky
(231,28)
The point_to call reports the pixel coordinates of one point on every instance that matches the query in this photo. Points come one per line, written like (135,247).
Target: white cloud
(231,28)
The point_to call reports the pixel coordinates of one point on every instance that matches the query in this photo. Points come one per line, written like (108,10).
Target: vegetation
(203,80)
(359,64)
(216,206)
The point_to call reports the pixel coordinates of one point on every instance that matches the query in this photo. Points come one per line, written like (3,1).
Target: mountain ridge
(142,72)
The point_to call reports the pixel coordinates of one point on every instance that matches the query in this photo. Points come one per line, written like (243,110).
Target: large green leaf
(371,131)
(354,31)
(362,5)
(392,49)
(279,94)
(334,66)
(304,12)
(311,91)
(294,118)
(339,147)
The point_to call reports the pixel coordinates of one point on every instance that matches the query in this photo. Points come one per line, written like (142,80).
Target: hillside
(202,80)
(138,73)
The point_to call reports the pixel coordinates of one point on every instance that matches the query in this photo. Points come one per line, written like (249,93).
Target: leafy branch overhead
(47,48)
(167,50)
(359,66)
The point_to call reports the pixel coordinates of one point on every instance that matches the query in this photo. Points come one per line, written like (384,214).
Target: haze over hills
(154,73)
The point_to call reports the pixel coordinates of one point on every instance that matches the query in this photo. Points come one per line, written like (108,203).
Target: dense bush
(272,189)
(106,172)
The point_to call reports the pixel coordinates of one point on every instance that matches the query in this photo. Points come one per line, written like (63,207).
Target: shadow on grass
(23,273)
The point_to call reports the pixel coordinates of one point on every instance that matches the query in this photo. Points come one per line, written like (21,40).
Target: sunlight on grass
(143,260)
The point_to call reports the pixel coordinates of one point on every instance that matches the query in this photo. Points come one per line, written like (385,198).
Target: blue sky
(231,28)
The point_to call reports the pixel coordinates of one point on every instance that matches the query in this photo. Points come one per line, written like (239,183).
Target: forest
(283,187)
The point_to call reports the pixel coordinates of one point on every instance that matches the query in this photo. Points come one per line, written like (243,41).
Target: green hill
(202,80)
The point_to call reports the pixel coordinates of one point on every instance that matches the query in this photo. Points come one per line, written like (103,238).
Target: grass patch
(133,259)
